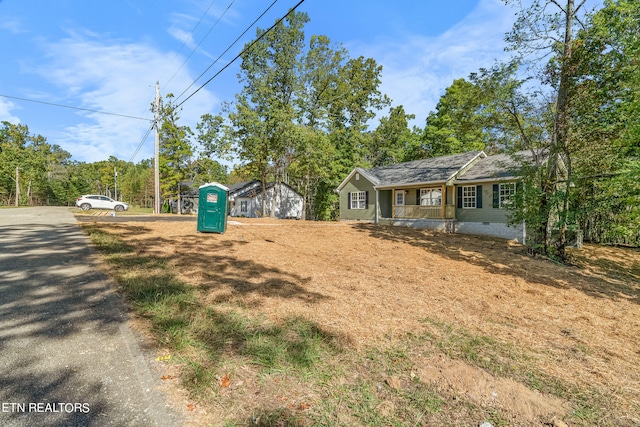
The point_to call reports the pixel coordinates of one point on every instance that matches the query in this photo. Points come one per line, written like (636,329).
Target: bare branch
(580,5)
(559,6)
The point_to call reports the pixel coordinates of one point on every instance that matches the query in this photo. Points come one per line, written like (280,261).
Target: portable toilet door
(212,208)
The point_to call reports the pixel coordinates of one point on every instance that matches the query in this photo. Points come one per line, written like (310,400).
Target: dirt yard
(372,287)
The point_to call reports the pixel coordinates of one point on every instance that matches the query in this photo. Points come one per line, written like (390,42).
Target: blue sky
(107,56)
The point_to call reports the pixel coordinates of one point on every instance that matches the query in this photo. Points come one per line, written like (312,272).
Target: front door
(399,204)
(214,211)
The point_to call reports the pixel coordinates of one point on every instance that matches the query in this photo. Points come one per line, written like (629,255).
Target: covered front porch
(424,202)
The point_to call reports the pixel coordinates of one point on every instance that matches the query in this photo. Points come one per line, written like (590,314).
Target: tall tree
(546,29)
(355,100)
(176,149)
(514,115)
(264,112)
(456,125)
(605,124)
(303,111)
(393,141)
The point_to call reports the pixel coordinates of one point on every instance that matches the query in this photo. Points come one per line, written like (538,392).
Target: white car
(92,201)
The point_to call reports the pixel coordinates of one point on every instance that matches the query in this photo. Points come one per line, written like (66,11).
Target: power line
(74,108)
(202,39)
(226,50)
(199,21)
(144,138)
(240,54)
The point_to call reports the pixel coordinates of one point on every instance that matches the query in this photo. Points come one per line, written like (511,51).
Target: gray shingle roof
(252,188)
(434,169)
(242,187)
(499,166)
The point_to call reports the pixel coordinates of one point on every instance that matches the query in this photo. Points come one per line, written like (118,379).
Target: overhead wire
(246,49)
(75,108)
(144,138)
(202,39)
(142,141)
(191,85)
(197,24)
(226,50)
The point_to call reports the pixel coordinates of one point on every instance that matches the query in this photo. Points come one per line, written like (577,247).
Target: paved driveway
(67,355)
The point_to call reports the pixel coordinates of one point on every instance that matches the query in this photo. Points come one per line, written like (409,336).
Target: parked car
(92,201)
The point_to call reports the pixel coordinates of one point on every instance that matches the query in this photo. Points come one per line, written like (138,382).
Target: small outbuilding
(245,200)
(212,209)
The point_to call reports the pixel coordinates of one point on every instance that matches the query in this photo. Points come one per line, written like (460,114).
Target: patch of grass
(394,359)
(374,404)
(498,358)
(496,419)
(131,212)
(106,242)
(505,360)
(280,417)
(589,409)
(344,387)
(297,344)
(205,333)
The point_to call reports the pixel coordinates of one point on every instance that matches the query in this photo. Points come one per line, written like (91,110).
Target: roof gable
(253,188)
(497,167)
(214,184)
(433,169)
(363,172)
(242,187)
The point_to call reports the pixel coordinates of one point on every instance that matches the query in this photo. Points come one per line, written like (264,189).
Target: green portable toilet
(212,208)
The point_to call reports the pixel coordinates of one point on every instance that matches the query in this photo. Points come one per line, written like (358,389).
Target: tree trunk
(561,134)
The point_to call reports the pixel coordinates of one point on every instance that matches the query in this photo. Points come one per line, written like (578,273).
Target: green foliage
(44,170)
(606,123)
(591,128)
(175,149)
(456,126)
(303,112)
(393,141)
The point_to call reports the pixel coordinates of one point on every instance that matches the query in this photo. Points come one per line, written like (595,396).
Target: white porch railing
(426,212)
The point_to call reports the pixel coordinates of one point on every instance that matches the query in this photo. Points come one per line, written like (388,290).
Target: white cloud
(115,77)
(13,26)
(5,111)
(417,70)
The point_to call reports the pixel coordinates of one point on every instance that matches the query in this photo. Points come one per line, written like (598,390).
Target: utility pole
(115,183)
(156,163)
(17,186)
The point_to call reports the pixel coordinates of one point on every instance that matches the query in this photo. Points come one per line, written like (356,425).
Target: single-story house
(245,200)
(464,193)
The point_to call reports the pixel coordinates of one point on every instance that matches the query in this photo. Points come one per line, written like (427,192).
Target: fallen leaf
(167,377)
(191,407)
(393,382)
(163,358)
(225,381)
(304,406)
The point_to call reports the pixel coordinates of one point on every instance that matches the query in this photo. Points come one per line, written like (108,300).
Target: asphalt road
(67,354)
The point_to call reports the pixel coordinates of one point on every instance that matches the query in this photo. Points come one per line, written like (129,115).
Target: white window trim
(505,192)
(246,206)
(400,193)
(469,197)
(358,200)
(426,194)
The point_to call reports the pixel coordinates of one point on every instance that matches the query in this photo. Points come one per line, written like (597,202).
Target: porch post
(393,203)
(444,201)
(377,206)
